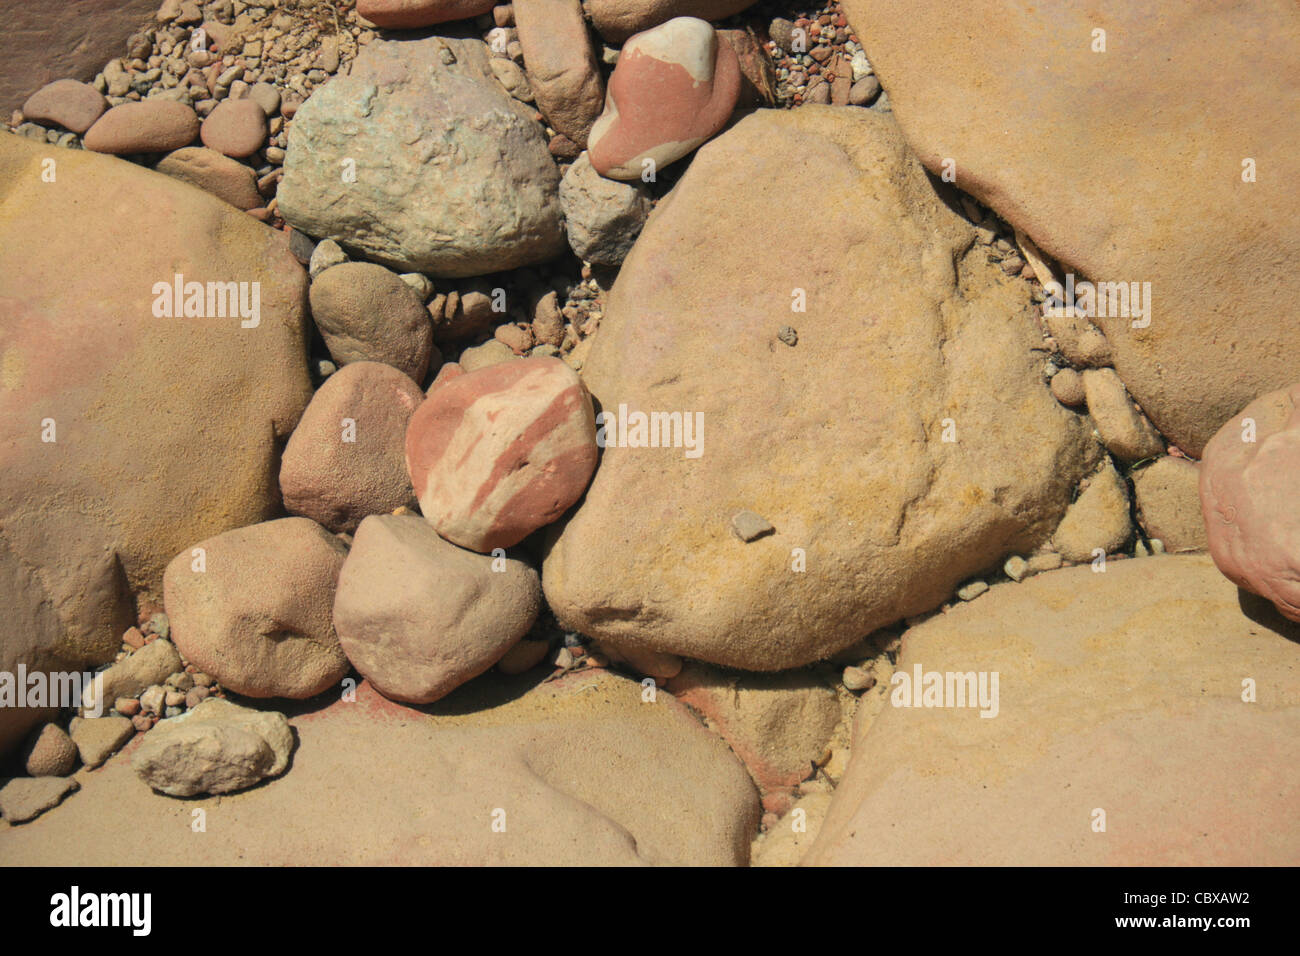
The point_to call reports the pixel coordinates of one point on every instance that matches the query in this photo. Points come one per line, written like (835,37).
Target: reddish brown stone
(150,126)
(407,14)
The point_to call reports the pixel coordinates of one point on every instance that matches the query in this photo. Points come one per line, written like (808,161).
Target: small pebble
(971,590)
(858,679)
(748,526)
(788,335)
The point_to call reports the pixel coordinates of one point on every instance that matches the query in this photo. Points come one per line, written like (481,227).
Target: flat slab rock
(585,773)
(1121,692)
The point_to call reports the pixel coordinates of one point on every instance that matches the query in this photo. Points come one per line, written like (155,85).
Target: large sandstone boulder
(1250,499)
(125,434)
(40,42)
(572,772)
(452,176)
(839,441)
(619,19)
(1088,153)
(1121,692)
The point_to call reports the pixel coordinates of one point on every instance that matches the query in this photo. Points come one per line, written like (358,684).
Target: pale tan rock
(1169,504)
(1126,432)
(1098,519)
(1112,689)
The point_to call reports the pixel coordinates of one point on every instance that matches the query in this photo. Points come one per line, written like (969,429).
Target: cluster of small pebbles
(820,60)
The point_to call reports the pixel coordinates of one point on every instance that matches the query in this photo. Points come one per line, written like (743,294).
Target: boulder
(602,216)
(673,88)
(418,616)
(366,313)
(1113,690)
(1250,486)
(406,14)
(26,798)
(128,429)
(577,771)
(253,608)
(497,453)
(346,459)
(218,747)
(875,447)
(1079,159)
(452,176)
(619,19)
(561,63)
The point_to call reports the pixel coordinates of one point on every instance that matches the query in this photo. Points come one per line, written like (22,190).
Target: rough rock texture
(41,42)
(602,217)
(258,617)
(366,313)
(26,798)
(1042,128)
(220,175)
(150,126)
(619,19)
(50,753)
(68,103)
(838,441)
(133,674)
(674,87)
(418,616)
(1098,519)
(218,747)
(165,428)
(561,63)
(497,453)
(1249,494)
(581,768)
(1169,504)
(405,14)
(346,459)
(1120,692)
(453,177)
(777,724)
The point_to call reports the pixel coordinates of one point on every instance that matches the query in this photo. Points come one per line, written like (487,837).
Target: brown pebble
(142,722)
(127,706)
(133,638)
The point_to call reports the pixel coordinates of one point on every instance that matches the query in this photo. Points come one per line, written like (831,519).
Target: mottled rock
(603,217)
(497,453)
(105,475)
(903,473)
(673,88)
(366,313)
(218,747)
(257,617)
(452,176)
(418,616)
(346,459)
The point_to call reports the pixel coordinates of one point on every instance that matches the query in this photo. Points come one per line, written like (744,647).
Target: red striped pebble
(673,88)
(497,453)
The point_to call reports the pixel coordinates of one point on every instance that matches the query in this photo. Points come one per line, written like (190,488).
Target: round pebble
(236,128)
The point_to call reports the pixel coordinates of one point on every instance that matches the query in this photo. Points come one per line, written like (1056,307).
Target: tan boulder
(126,432)
(1098,520)
(1083,159)
(253,608)
(572,772)
(1121,693)
(888,466)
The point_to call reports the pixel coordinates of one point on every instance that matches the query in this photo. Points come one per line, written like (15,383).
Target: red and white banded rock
(673,88)
(498,453)
(1250,483)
